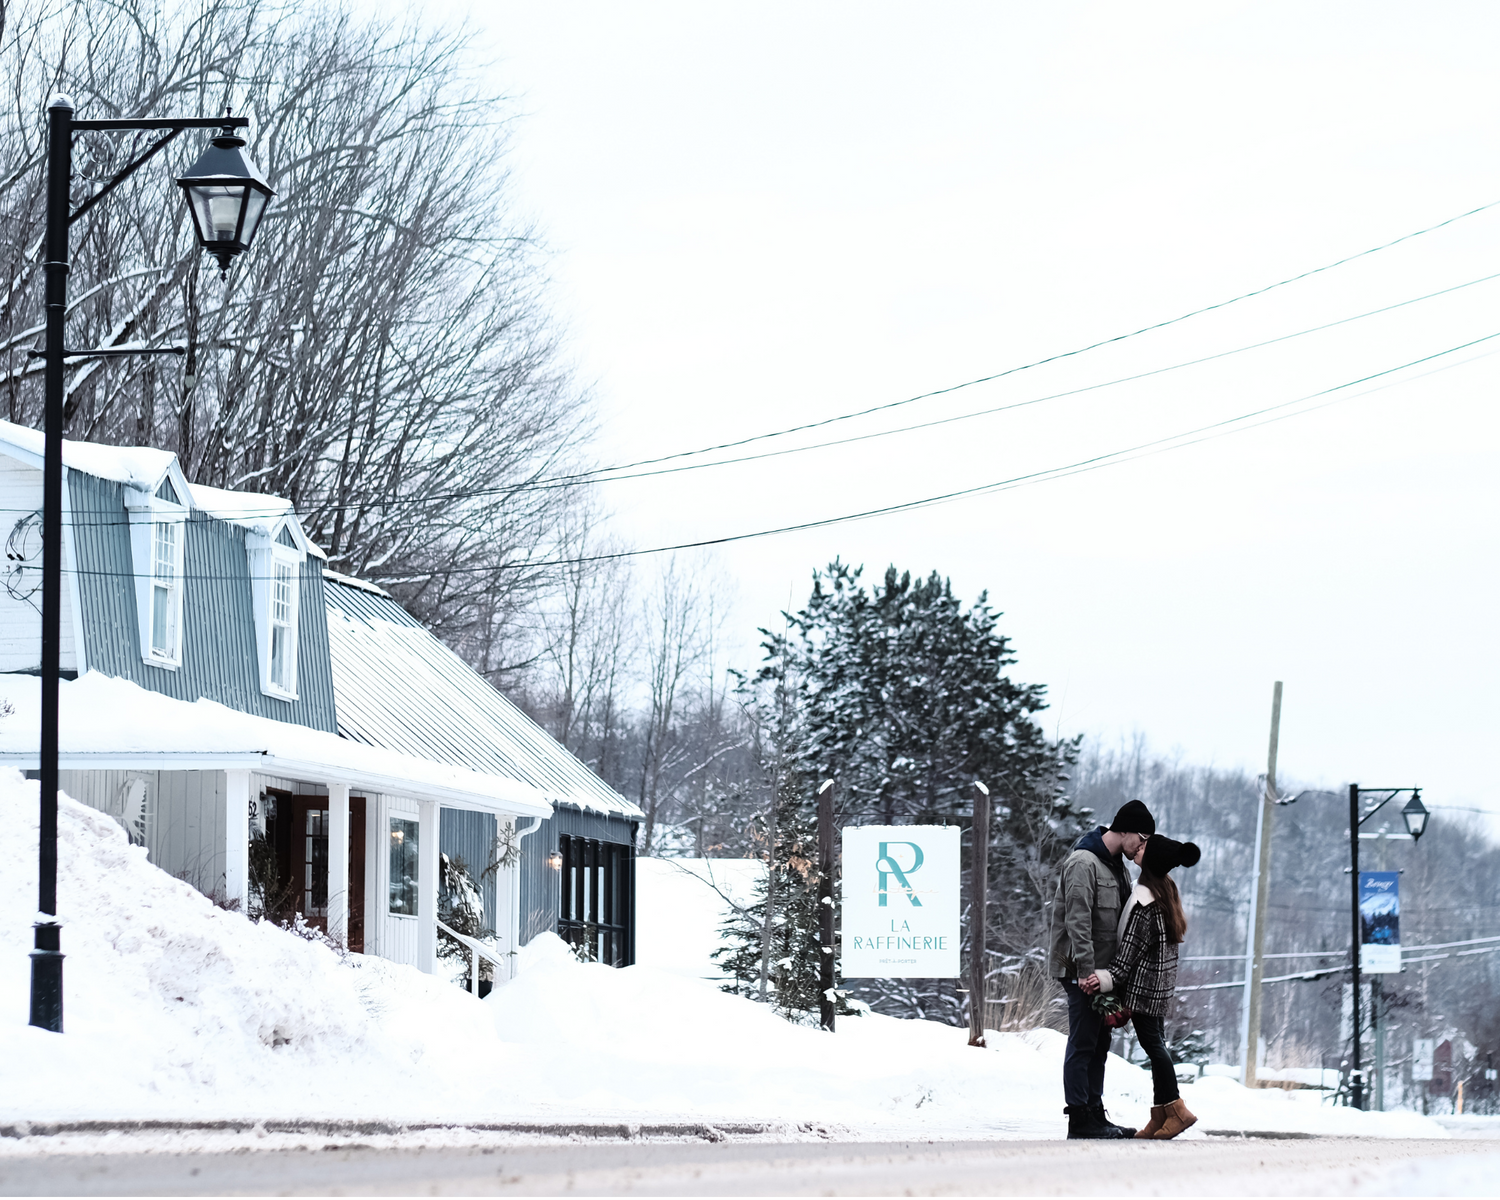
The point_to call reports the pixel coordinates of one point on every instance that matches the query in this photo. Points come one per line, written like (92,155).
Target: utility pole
(979,890)
(825,905)
(1250,1041)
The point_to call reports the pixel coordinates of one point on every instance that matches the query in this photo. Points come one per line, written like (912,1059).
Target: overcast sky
(766,215)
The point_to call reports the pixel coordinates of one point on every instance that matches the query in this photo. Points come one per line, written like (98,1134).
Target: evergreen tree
(795,952)
(900,693)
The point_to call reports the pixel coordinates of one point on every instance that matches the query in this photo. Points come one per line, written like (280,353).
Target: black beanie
(1162,854)
(1133,817)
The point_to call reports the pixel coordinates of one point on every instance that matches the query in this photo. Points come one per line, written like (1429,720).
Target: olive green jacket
(1086,914)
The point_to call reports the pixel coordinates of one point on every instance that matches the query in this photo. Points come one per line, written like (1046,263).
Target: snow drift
(178,1009)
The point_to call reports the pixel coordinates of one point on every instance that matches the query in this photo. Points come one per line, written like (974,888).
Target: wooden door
(357,874)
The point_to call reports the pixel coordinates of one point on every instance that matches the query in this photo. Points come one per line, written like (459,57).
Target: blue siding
(540,883)
(471,837)
(219,659)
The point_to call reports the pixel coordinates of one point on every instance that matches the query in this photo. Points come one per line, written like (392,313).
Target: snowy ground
(179,1010)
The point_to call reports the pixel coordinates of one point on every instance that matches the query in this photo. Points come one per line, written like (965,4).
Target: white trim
(366,782)
(70,569)
(237,838)
(428,833)
(146,511)
(264,554)
(338,863)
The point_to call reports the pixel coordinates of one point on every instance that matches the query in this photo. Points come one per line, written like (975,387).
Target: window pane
(278,656)
(164,551)
(281,595)
(161,616)
(403,889)
(315,862)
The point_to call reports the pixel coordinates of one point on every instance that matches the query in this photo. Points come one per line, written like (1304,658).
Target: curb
(623,1131)
(1272,1134)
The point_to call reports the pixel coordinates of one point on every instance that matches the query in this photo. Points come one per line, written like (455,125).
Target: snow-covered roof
(253,510)
(397,685)
(138,465)
(113,724)
(144,468)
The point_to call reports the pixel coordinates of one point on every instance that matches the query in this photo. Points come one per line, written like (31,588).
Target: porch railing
(476,949)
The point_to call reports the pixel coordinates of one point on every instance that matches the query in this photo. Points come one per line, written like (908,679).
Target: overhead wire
(570,481)
(1179,440)
(1052,358)
(561,481)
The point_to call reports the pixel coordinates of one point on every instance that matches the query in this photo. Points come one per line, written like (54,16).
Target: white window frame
(146,512)
(266,555)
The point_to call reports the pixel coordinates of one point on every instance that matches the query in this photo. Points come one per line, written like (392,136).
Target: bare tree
(579,672)
(677,636)
(383,357)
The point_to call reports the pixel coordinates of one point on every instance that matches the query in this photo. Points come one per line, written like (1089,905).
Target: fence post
(825,905)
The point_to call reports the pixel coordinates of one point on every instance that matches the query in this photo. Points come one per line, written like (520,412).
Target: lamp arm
(1394,792)
(122,175)
(173,126)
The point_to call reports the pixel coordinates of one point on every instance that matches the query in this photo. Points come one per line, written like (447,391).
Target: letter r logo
(886,866)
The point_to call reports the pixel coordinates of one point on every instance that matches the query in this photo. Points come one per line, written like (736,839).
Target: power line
(1190,437)
(1197,312)
(573,480)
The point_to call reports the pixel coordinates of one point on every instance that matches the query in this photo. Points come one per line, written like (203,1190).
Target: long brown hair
(1164,892)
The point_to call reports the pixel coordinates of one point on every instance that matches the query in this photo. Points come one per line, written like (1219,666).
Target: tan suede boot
(1177,1119)
(1158,1119)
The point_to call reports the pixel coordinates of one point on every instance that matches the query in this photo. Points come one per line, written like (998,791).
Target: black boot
(1085,1123)
(1118,1131)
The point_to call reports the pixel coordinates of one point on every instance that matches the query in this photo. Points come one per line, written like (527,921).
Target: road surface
(1206,1166)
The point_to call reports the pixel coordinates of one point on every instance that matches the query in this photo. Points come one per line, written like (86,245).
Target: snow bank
(178,1009)
(175,1008)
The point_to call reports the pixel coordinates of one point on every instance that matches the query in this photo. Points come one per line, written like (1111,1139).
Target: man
(1091,891)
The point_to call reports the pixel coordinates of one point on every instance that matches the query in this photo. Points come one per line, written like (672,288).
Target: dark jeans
(1150,1032)
(1088,1048)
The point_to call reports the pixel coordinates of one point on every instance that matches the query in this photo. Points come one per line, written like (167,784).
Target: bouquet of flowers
(1109,1007)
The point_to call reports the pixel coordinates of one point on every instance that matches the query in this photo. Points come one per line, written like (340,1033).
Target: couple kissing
(1114,950)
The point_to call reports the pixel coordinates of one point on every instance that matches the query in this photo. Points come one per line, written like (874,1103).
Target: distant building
(285,737)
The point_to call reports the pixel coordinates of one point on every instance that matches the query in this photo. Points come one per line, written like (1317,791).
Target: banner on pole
(901,902)
(1421,1059)
(1379,921)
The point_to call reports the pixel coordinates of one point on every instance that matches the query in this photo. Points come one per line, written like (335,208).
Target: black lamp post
(1415,814)
(233,198)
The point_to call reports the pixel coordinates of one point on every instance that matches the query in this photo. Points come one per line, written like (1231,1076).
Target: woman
(1143,972)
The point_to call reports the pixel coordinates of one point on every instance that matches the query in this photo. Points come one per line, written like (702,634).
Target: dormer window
(165,583)
(158,523)
(283,628)
(276,586)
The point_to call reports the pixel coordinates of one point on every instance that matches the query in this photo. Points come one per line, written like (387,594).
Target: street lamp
(227,197)
(1415,814)
(229,185)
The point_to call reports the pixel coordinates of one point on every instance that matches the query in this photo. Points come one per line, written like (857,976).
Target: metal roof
(396,685)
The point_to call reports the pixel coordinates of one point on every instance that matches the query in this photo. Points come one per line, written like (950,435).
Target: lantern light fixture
(1415,816)
(227,196)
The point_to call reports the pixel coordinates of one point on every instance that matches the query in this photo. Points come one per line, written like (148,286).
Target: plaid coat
(1143,972)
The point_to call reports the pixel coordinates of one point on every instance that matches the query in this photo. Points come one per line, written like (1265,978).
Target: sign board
(1421,1059)
(1379,921)
(901,902)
